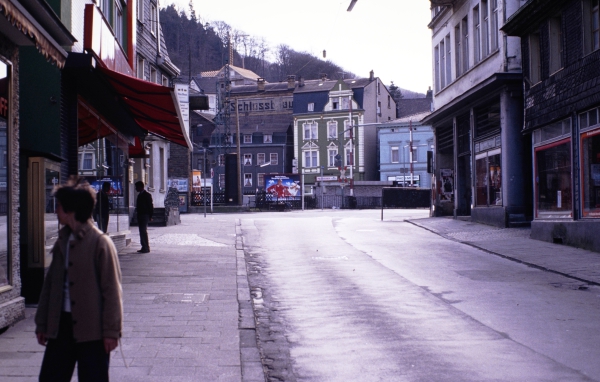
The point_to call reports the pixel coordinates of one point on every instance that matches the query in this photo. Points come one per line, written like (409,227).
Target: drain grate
(181,298)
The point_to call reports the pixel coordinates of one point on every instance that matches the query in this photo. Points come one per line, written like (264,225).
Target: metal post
(302,190)
(351,162)
(410,155)
(239,153)
(204,173)
(322,188)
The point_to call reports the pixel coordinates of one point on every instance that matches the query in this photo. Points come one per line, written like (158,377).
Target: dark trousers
(63,353)
(103,223)
(143,226)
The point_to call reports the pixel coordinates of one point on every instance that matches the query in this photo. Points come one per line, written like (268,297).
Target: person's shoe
(143,251)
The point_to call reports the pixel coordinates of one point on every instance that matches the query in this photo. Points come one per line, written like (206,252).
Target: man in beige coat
(80,312)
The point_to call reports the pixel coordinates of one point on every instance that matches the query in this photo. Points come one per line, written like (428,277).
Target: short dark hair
(106,186)
(76,195)
(139,183)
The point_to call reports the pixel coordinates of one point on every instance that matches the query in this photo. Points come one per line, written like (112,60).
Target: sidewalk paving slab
(187,311)
(515,244)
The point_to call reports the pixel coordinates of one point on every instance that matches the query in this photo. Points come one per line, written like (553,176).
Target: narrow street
(344,296)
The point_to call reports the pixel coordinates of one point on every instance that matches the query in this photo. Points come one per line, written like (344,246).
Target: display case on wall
(43,175)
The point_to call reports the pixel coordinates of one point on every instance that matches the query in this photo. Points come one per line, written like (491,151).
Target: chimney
(261,84)
(371,75)
(291,82)
(323,77)
(300,81)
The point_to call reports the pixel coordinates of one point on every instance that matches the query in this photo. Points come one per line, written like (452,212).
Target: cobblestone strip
(252,368)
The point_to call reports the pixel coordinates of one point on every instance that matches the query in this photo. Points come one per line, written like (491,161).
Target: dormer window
(311,106)
(335,105)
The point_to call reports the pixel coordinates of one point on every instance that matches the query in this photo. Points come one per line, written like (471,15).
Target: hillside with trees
(195,47)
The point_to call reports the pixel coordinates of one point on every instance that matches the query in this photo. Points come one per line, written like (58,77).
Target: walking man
(80,312)
(145,209)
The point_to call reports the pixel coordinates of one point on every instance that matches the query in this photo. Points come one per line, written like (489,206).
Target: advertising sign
(447,186)
(196,180)
(116,184)
(183,98)
(283,185)
(181,184)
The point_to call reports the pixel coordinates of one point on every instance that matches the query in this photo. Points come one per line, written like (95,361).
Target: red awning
(154,107)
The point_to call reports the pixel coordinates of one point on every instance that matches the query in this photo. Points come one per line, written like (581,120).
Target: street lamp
(352,4)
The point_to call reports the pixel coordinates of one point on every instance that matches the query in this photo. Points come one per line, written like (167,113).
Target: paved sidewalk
(515,244)
(188,315)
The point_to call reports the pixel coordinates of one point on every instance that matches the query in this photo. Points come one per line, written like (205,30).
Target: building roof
(411,106)
(245,73)
(406,119)
(327,85)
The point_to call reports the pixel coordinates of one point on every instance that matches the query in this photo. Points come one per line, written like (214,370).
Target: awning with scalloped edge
(154,107)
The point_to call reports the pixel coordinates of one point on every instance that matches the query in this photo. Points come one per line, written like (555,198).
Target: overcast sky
(389,37)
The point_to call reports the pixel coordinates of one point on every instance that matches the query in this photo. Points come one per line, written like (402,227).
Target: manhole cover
(181,298)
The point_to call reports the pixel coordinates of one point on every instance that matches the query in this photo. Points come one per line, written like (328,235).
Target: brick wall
(179,162)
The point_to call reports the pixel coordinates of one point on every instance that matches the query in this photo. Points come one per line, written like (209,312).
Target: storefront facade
(480,164)
(24,39)
(561,44)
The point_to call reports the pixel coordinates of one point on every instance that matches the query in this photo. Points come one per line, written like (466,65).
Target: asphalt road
(342,296)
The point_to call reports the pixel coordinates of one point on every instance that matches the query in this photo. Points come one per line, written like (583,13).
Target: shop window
(590,169)
(589,118)
(5,253)
(488,179)
(553,180)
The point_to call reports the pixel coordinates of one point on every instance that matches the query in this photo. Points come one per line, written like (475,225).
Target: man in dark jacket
(145,209)
(102,206)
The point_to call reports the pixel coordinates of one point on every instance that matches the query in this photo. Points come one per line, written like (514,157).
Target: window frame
(535,59)
(260,159)
(247,138)
(332,126)
(247,159)
(309,131)
(396,150)
(315,159)
(555,44)
(153,19)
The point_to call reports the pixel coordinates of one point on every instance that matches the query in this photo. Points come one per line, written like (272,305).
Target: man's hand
(110,344)
(41,338)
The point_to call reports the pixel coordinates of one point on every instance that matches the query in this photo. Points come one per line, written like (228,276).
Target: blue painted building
(396,161)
